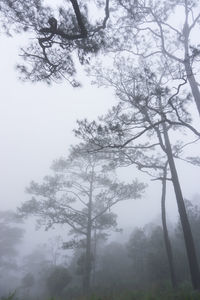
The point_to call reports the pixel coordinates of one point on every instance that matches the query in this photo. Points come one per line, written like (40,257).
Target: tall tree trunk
(187,61)
(165,233)
(95,255)
(87,275)
(88,260)
(193,83)
(189,242)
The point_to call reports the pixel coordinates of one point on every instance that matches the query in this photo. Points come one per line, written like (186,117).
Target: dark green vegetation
(184,293)
(136,269)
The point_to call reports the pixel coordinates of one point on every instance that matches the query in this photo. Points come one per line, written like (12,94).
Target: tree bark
(94,261)
(188,238)
(165,233)
(87,275)
(193,84)
(187,61)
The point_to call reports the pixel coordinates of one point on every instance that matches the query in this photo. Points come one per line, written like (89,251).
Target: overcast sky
(36,123)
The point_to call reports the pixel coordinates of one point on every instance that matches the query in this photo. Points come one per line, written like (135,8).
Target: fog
(37,123)
(36,128)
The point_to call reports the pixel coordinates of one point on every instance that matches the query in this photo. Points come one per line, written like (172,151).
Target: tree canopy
(80,194)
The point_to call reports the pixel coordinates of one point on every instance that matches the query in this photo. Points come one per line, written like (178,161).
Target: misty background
(36,127)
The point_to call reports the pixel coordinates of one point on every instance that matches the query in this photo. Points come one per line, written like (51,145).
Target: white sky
(36,125)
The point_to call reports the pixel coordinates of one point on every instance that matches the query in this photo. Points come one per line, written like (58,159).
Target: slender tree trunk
(187,61)
(193,84)
(165,233)
(87,275)
(189,242)
(94,262)
(88,260)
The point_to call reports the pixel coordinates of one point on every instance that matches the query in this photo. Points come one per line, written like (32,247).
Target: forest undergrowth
(183,293)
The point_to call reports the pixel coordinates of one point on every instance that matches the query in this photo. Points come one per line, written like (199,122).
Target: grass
(9,297)
(184,293)
(141,295)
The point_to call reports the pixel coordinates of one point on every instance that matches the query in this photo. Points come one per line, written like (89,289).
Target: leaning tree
(137,130)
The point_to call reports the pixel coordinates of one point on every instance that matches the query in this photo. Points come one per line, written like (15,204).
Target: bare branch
(194,22)
(163,40)
(107,14)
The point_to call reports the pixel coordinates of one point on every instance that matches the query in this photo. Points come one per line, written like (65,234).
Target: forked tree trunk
(165,233)
(188,238)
